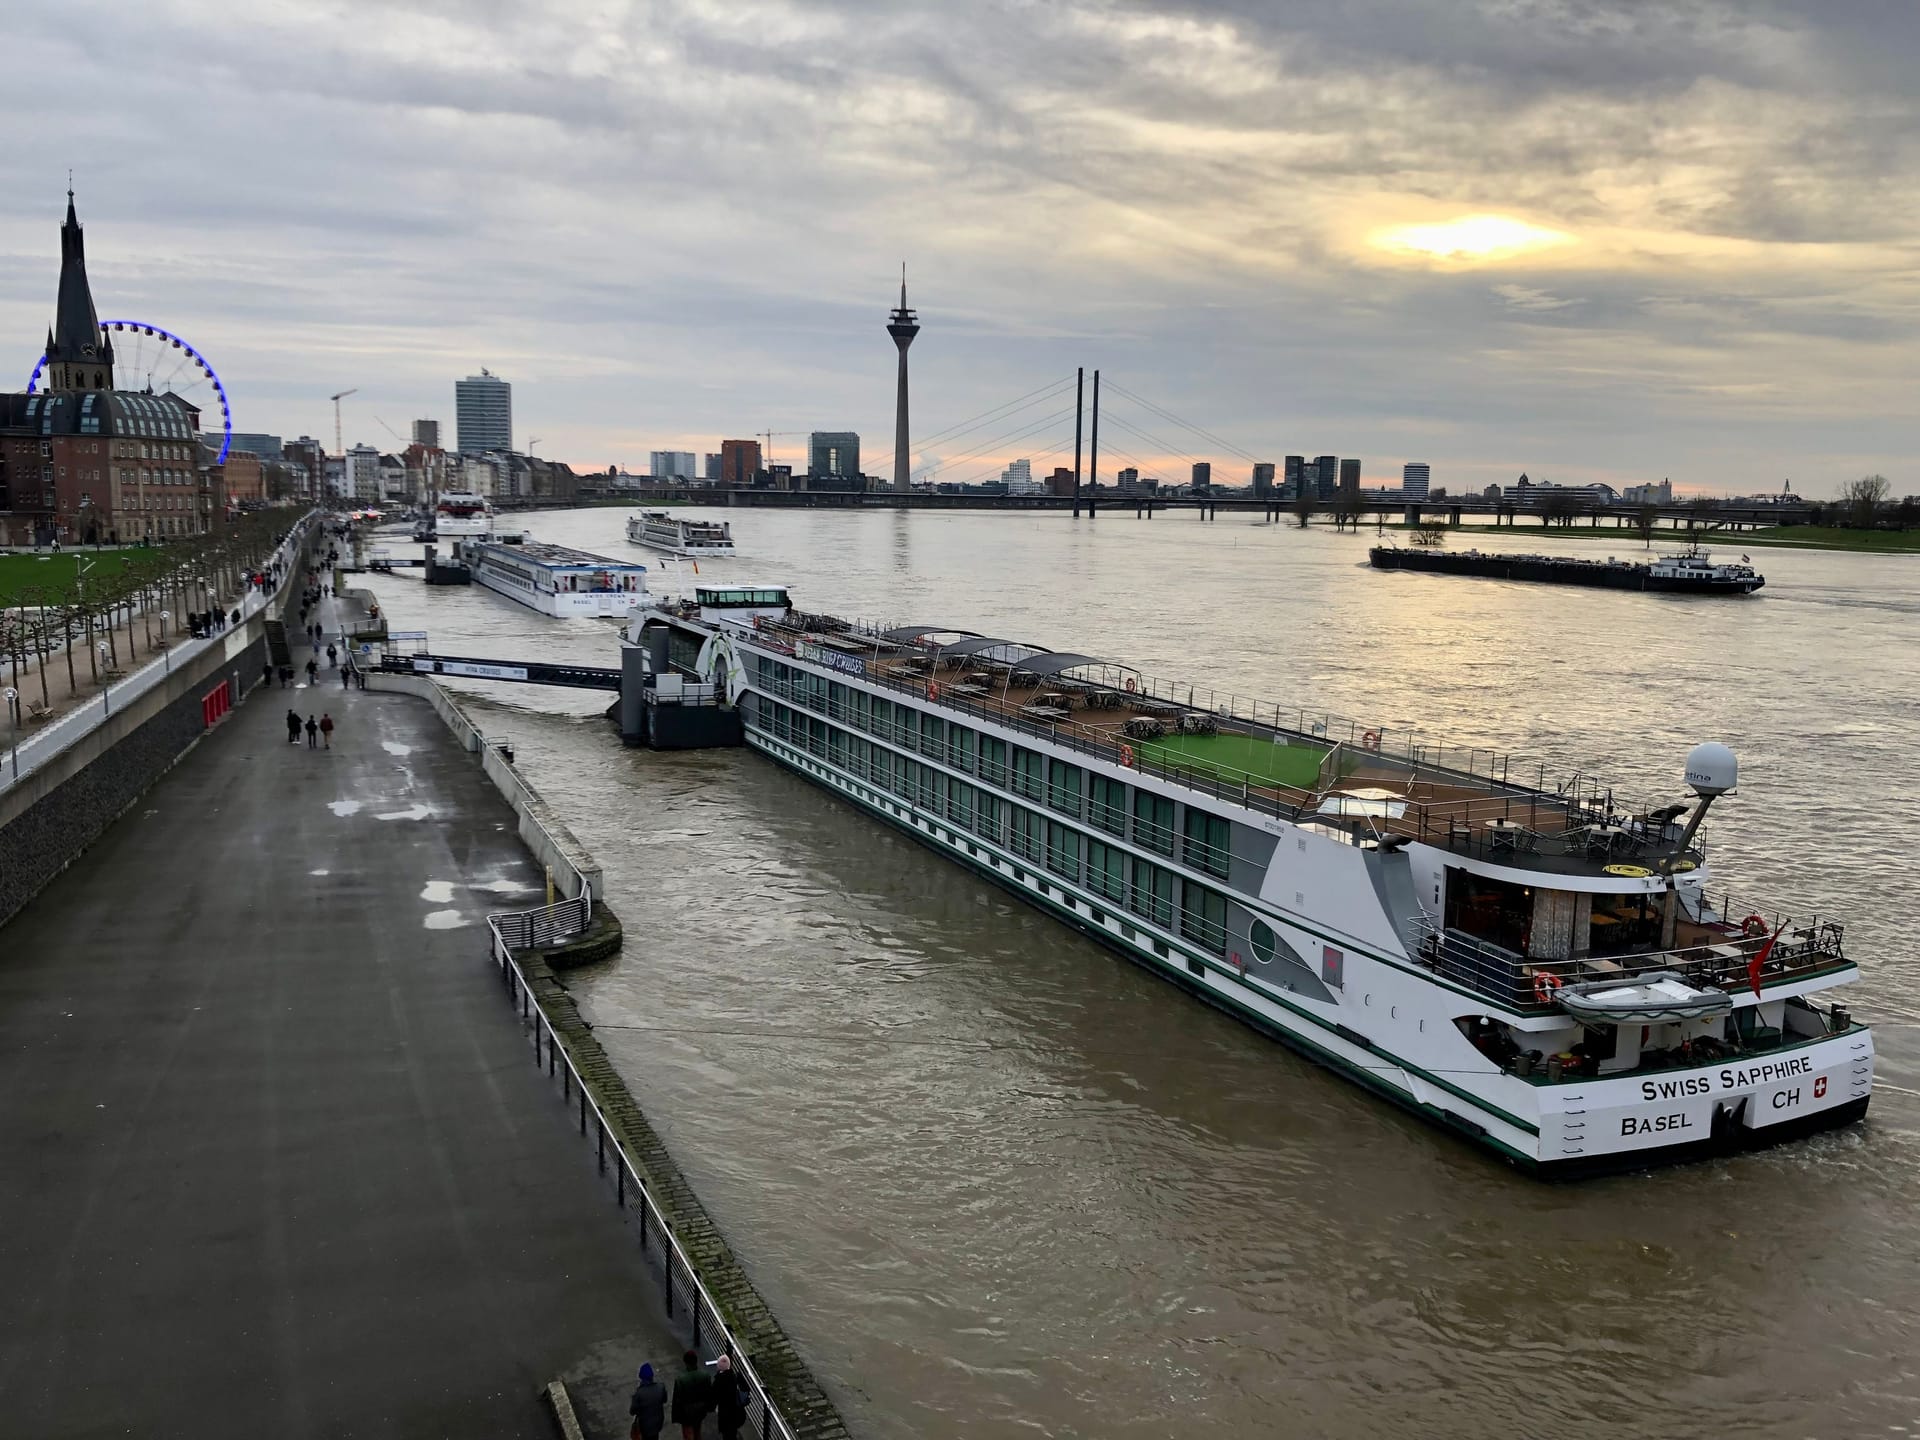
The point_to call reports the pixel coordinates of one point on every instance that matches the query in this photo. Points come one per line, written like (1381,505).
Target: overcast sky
(1609,239)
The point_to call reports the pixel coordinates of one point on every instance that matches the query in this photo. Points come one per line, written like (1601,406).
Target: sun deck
(1366,783)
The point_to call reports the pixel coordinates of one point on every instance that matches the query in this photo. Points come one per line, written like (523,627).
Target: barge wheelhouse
(1531,962)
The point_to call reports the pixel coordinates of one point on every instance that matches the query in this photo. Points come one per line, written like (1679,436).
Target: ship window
(862,710)
(1025,778)
(1065,784)
(960,807)
(1203,916)
(1152,895)
(959,747)
(1490,909)
(933,735)
(991,811)
(817,736)
(836,700)
(1208,841)
(838,742)
(993,760)
(1153,821)
(1107,870)
(1026,833)
(1063,850)
(883,718)
(1107,805)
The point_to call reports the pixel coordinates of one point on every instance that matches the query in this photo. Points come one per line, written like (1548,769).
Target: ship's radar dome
(1712,769)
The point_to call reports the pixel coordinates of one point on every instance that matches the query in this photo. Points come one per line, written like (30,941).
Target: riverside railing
(685,1294)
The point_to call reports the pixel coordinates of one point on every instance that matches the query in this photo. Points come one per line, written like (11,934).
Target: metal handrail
(709,1328)
(1510,977)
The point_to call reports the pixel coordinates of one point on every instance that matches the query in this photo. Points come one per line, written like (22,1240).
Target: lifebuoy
(1126,756)
(1132,685)
(1545,985)
(1371,740)
(1754,925)
(933,690)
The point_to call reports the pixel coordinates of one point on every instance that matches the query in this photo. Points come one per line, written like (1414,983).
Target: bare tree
(1303,507)
(1558,508)
(1645,518)
(1863,498)
(1429,535)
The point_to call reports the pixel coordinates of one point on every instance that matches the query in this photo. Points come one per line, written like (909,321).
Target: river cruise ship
(1528,960)
(462,515)
(556,580)
(675,535)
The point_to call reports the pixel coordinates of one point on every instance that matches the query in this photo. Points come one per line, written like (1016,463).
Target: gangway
(525,672)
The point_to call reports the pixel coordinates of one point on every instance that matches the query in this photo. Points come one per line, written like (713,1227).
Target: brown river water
(996,1180)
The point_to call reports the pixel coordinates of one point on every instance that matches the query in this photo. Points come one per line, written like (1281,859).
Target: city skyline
(1614,247)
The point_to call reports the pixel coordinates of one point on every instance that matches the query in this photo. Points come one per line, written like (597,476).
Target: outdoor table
(1046,712)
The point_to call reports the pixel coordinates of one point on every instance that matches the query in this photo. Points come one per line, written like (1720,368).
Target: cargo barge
(1691,573)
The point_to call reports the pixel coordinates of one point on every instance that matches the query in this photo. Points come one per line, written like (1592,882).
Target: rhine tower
(902,326)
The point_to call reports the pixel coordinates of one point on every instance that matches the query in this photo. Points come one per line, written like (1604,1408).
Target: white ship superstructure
(556,580)
(677,535)
(1537,965)
(462,515)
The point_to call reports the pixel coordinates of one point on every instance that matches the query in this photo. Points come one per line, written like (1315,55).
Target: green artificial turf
(22,574)
(1230,757)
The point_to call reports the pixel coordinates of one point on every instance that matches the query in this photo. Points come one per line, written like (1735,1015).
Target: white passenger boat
(676,535)
(462,515)
(556,580)
(1540,967)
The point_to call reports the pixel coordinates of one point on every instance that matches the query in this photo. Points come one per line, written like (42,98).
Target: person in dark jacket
(729,1399)
(313,733)
(648,1406)
(293,727)
(692,1396)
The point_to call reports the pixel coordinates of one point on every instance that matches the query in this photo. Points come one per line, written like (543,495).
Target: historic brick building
(82,462)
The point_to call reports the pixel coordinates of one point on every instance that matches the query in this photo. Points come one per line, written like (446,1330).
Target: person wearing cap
(648,1407)
(729,1399)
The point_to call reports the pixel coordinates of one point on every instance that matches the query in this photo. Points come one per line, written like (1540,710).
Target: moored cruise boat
(1540,967)
(677,535)
(462,515)
(556,580)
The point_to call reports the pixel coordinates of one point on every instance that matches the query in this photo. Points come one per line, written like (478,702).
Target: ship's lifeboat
(1649,999)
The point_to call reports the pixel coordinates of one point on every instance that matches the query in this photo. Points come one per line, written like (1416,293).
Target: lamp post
(13,714)
(106,681)
(166,650)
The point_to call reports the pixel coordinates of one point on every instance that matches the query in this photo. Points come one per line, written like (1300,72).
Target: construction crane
(404,442)
(339,445)
(766,455)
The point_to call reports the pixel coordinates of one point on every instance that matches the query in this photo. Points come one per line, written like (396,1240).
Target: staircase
(277,650)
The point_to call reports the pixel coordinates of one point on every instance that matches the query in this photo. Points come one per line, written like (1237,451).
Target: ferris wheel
(148,357)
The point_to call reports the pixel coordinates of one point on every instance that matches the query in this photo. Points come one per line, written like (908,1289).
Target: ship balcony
(1720,956)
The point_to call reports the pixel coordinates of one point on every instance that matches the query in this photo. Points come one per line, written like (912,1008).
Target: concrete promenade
(277,1159)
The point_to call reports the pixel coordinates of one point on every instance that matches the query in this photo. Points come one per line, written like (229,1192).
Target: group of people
(696,1395)
(319,732)
(201,623)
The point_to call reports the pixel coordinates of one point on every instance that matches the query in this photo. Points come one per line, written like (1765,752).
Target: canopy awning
(976,644)
(903,634)
(1052,663)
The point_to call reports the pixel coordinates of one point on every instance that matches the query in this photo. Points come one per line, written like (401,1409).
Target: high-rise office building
(427,433)
(1263,480)
(834,453)
(1018,478)
(1415,476)
(1326,476)
(711,470)
(739,462)
(1127,479)
(1290,479)
(672,465)
(482,413)
(1202,474)
(1350,475)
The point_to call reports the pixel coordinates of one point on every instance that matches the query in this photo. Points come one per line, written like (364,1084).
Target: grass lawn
(1231,756)
(21,573)
(1793,537)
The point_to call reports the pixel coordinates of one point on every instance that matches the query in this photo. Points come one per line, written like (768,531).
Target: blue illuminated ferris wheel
(153,358)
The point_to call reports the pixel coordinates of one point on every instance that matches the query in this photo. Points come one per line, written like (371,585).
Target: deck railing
(689,1304)
(1515,980)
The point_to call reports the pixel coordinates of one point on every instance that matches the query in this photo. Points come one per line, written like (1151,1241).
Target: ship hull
(1541,1130)
(1551,570)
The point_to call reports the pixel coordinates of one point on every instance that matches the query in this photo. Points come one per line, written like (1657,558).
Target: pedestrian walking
(326,729)
(729,1399)
(346,673)
(313,671)
(293,727)
(648,1407)
(333,658)
(359,677)
(266,673)
(692,1397)
(286,676)
(313,734)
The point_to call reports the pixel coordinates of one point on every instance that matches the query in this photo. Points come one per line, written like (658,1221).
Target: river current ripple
(996,1180)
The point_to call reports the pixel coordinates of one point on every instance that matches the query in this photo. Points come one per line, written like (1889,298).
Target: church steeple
(79,356)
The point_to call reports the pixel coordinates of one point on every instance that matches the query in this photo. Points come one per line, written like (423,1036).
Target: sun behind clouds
(1470,239)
